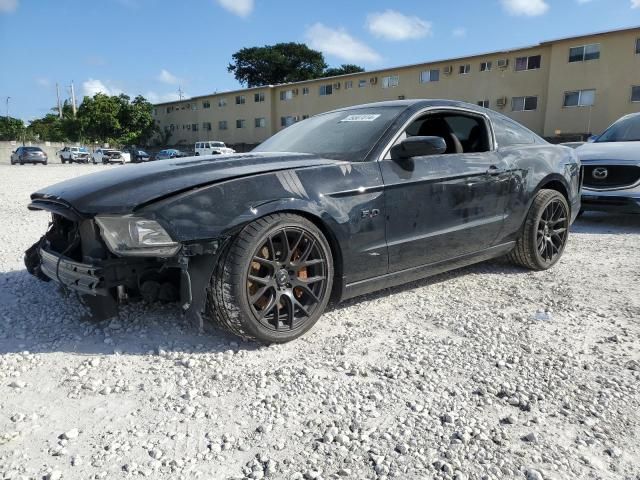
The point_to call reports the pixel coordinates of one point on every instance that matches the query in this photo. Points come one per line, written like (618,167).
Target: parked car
(74,155)
(212,148)
(24,155)
(107,155)
(612,168)
(137,156)
(338,205)
(170,153)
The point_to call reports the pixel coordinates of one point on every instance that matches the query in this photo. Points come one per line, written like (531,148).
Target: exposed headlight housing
(136,237)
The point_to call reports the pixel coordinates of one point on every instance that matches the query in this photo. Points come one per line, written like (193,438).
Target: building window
(194,106)
(188,127)
(363,83)
(635,93)
(326,89)
(206,104)
(637,46)
(390,81)
(222,102)
(304,117)
(348,84)
(483,103)
(172,127)
(288,120)
(464,69)
(528,63)
(258,97)
(305,90)
(430,76)
(240,99)
(206,126)
(169,109)
(584,53)
(261,122)
(579,98)
(286,95)
(194,127)
(240,123)
(524,104)
(485,66)
(222,125)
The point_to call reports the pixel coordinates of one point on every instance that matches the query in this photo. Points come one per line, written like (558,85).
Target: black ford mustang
(341,204)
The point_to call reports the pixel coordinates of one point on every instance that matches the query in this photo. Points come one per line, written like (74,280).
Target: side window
(510,133)
(462,133)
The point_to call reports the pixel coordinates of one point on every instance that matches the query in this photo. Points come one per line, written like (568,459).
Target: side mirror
(592,138)
(418,147)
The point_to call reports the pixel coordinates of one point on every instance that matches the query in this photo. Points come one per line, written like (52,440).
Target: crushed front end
(108,259)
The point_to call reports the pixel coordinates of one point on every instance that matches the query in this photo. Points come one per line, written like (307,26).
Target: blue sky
(153,47)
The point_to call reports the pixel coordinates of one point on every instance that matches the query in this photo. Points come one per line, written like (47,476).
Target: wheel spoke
(259,294)
(260,280)
(264,261)
(270,306)
(307,251)
(307,290)
(297,244)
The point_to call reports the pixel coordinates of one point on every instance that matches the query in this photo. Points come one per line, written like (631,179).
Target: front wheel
(273,281)
(545,232)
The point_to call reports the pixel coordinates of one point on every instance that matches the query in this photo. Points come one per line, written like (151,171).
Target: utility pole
(59,105)
(8,108)
(73,100)
(180,92)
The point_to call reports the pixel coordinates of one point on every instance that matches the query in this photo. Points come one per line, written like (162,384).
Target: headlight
(135,236)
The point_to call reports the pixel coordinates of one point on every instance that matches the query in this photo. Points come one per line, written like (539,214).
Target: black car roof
(417,103)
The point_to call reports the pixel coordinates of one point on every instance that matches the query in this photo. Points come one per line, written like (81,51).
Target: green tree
(49,127)
(343,69)
(11,128)
(279,63)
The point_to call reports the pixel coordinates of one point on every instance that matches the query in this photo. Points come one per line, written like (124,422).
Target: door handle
(493,170)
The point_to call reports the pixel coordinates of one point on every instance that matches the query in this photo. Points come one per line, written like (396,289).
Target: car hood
(121,190)
(610,151)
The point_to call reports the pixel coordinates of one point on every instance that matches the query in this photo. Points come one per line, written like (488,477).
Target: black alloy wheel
(273,280)
(286,279)
(552,230)
(545,232)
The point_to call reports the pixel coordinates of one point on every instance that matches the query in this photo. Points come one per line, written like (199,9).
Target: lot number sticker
(360,118)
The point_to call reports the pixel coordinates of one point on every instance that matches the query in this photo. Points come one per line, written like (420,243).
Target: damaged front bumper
(103,280)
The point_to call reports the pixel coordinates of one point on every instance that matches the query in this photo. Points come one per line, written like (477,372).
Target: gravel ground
(484,373)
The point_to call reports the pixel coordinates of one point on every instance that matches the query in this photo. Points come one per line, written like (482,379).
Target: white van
(212,148)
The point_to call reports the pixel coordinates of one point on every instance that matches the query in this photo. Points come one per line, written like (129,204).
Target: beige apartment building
(575,85)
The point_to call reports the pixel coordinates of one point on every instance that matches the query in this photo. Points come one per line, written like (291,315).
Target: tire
(545,232)
(21,162)
(261,292)
(45,162)
(62,160)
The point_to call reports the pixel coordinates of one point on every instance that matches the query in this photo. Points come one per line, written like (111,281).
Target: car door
(445,206)
(15,156)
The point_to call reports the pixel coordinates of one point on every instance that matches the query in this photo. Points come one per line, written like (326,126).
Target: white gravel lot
(485,373)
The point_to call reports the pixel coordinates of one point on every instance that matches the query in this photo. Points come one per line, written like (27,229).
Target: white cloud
(529,8)
(155,97)
(8,6)
(339,43)
(43,82)
(166,76)
(92,86)
(635,3)
(459,32)
(394,25)
(242,8)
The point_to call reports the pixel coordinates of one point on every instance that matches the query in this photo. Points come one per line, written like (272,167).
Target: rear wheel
(62,159)
(274,279)
(545,232)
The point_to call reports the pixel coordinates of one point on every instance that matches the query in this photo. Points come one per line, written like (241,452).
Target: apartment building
(574,85)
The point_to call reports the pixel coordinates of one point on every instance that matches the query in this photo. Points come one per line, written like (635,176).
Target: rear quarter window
(509,133)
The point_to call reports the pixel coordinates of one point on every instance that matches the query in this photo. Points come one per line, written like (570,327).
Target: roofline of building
(411,65)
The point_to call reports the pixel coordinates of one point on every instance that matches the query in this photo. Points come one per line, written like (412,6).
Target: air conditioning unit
(503,63)
(336,85)
(502,102)
(373,80)
(401,97)
(448,70)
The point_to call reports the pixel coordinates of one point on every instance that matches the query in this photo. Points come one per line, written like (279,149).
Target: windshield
(624,130)
(342,135)
(83,150)
(217,145)
(32,149)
